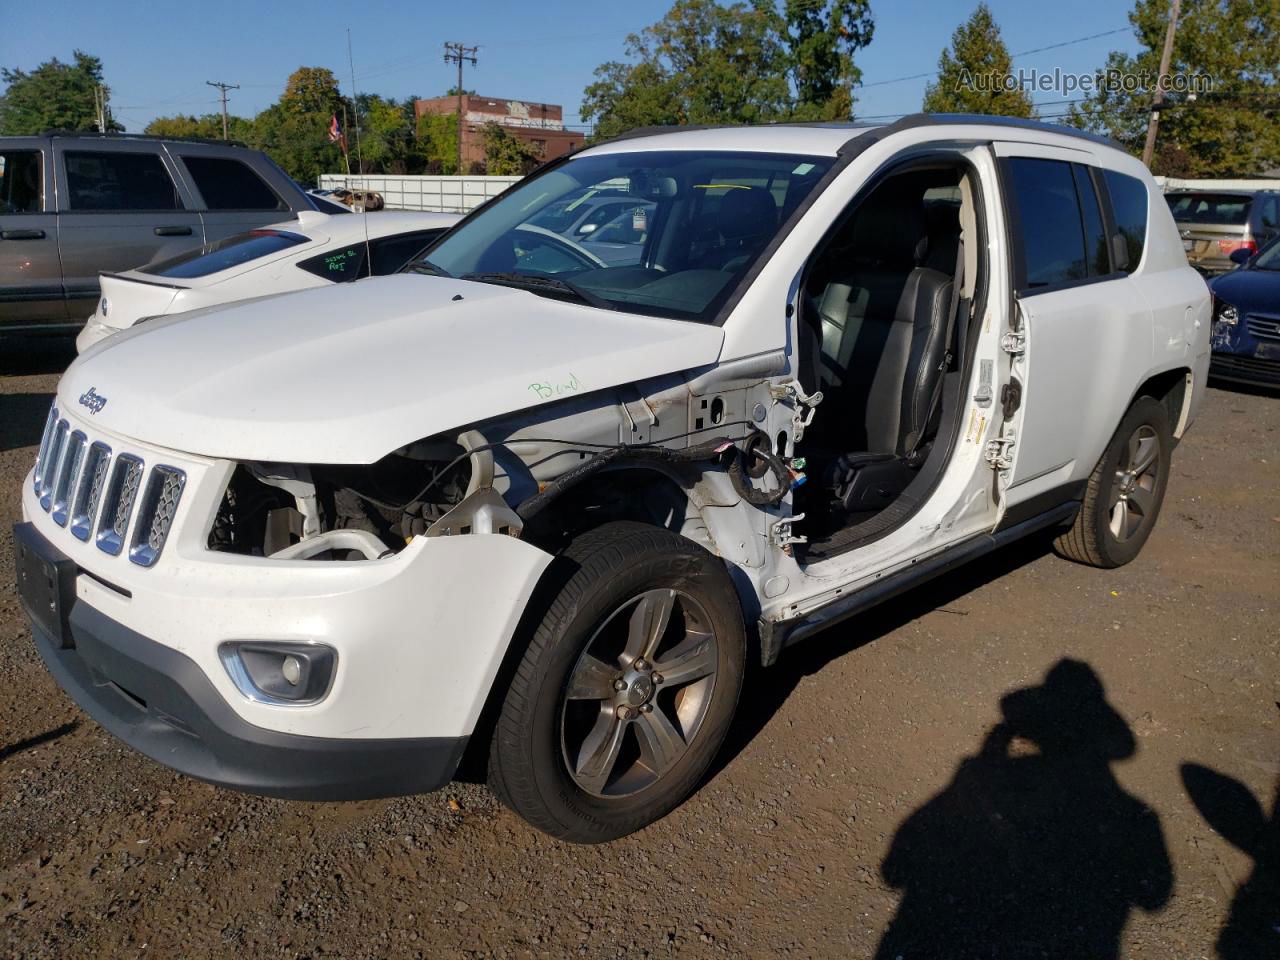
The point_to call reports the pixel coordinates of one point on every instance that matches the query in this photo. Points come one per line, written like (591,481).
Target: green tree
(312,90)
(505,154)
(208,126)
(973,71)
(53,96)
(438,142)
(822,39)
(1232,129)
(702,63)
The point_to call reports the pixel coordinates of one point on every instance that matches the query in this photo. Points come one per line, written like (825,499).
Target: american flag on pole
(335,133)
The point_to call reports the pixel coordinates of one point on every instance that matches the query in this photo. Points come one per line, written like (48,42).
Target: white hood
(346,374)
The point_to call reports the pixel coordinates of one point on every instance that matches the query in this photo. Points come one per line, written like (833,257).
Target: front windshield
(665,233)
(1269,258)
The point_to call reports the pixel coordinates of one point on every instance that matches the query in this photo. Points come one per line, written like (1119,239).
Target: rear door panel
(107,224)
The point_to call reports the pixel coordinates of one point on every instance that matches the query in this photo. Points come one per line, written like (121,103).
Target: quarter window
(391,253)
(1053,246)
(338,265)
(20,182)
(119,181)
(230,185)
(1129,205)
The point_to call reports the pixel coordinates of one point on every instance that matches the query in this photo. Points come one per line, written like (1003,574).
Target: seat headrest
(888,227)
(747,212)
(942,233)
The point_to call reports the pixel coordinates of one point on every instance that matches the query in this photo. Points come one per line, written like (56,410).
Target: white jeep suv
(527,501)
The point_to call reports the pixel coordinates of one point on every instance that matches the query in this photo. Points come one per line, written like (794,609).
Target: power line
(222,91)
(1013,56)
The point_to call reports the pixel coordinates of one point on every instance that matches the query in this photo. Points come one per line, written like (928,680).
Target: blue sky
(157,56)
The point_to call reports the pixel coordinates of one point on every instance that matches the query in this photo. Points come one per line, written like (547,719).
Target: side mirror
(1241,256)
(587,228)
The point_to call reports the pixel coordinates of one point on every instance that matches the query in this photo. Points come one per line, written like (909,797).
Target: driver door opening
(885,314)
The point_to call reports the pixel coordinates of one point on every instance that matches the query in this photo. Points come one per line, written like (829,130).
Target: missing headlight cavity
(269,507)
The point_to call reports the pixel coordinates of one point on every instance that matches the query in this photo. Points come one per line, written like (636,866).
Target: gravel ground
(931,780)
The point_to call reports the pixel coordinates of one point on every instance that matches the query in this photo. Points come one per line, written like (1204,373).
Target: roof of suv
(827,138)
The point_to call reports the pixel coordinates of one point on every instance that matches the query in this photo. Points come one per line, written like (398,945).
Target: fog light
(280,673)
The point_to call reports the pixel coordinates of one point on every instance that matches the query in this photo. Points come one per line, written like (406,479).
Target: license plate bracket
(46,583)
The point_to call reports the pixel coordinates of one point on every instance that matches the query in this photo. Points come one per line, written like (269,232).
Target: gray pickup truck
(75,205)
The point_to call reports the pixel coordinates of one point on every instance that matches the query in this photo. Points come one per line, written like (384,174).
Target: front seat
(746,221)
(901,402)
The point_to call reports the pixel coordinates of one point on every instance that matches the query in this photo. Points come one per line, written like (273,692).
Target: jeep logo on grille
(94,401)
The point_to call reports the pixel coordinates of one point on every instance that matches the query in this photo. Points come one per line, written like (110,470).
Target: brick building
(539,124)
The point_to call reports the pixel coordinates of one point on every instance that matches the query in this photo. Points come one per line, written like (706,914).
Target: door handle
(173,231)
(21,234)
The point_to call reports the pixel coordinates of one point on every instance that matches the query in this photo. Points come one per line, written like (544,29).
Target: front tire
(627,688)
(1123,497)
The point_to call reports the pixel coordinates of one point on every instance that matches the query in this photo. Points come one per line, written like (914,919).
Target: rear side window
(119,181)
(227,184)
(1224,208)
(1129,204)
(338,265)
(1052,236)
(231,252)
(1095,235)
(392,253)
(21,176)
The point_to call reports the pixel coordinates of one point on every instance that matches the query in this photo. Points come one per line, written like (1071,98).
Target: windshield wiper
(549,286)
(424,266)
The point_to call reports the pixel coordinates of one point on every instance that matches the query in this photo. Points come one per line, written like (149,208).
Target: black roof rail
(149,137)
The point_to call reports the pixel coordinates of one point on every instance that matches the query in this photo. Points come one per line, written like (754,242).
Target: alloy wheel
(639,693)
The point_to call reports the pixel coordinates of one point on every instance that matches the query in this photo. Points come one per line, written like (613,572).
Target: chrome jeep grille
(80,484)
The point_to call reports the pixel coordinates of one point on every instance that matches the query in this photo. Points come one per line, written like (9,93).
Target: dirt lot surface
(928,781)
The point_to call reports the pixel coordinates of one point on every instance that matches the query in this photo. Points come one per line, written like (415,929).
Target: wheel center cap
(641,690)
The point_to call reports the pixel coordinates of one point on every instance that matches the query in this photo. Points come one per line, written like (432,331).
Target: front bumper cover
(161,703)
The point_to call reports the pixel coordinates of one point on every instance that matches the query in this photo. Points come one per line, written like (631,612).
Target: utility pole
(100,107)
(1149,148)
(457,53)
(222,91)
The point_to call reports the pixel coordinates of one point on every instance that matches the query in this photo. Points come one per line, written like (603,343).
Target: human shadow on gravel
(1033,849)
(8,750)
(22,419)
(1252,929)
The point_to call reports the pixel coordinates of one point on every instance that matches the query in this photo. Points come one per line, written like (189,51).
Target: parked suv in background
(74,205)
(314,545)
(1216,223)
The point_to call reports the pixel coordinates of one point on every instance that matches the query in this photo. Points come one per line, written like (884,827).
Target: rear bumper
(162,704)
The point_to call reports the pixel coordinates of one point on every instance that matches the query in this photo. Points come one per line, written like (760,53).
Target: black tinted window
(1226,208)
(339,265)
(1129,204)
(119,181)
(1095,235)
(224,254)
(392,253)
(230,185)
(20,181)
(1049,215)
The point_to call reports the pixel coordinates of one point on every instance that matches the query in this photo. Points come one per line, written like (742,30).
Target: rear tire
(1123,496)
(594,740)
